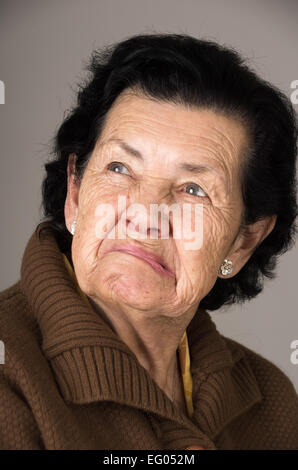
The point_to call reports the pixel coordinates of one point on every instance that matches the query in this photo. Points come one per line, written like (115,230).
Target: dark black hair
(181,69)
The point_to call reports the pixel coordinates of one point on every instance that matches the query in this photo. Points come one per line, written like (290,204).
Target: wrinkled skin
(150,312)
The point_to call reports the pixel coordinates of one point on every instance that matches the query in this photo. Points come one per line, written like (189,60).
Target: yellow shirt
(183,349)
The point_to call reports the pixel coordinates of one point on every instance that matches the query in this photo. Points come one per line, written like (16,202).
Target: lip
(155,261)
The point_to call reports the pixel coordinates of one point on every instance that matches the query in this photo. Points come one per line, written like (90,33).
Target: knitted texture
(69,382)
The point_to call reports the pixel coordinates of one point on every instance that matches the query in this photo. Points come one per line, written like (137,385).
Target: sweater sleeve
(18,430)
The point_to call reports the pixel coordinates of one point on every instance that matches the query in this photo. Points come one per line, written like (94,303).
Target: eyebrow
(193,168)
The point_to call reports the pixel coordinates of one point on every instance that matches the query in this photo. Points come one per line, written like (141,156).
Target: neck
(153,340)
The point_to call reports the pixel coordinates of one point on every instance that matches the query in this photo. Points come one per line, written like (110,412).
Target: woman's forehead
(164,118)
(148,127)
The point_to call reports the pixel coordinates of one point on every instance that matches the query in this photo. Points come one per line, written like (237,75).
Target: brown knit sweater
(69,382)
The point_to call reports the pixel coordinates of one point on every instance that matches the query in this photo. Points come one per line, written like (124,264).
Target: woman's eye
(195,190)
(116,167)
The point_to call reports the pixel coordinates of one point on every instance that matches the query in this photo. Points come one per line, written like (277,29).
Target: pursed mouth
(155,262)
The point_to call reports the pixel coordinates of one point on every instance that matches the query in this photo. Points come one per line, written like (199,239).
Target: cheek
(204,262)
(219,225)
(96,228)
(97,209)
(89,236)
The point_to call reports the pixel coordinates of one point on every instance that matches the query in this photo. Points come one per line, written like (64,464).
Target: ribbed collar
(91,363)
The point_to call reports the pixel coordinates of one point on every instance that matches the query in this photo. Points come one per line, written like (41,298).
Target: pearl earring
(226,267)
(73,227)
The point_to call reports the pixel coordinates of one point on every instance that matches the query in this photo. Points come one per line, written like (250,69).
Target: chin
(130,290)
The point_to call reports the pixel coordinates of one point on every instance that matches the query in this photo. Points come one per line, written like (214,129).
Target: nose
(145,221)
(142,229)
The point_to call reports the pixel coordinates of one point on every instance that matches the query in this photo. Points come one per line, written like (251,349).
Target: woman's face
(166,136)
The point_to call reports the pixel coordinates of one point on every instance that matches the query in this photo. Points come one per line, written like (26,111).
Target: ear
(249,238)
(72,197)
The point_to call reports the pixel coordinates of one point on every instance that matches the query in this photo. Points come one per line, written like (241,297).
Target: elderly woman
(108,339)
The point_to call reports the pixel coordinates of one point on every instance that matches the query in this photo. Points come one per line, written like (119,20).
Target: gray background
(43,49)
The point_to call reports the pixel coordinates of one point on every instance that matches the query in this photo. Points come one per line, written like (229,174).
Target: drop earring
(226,267)
(73,227)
